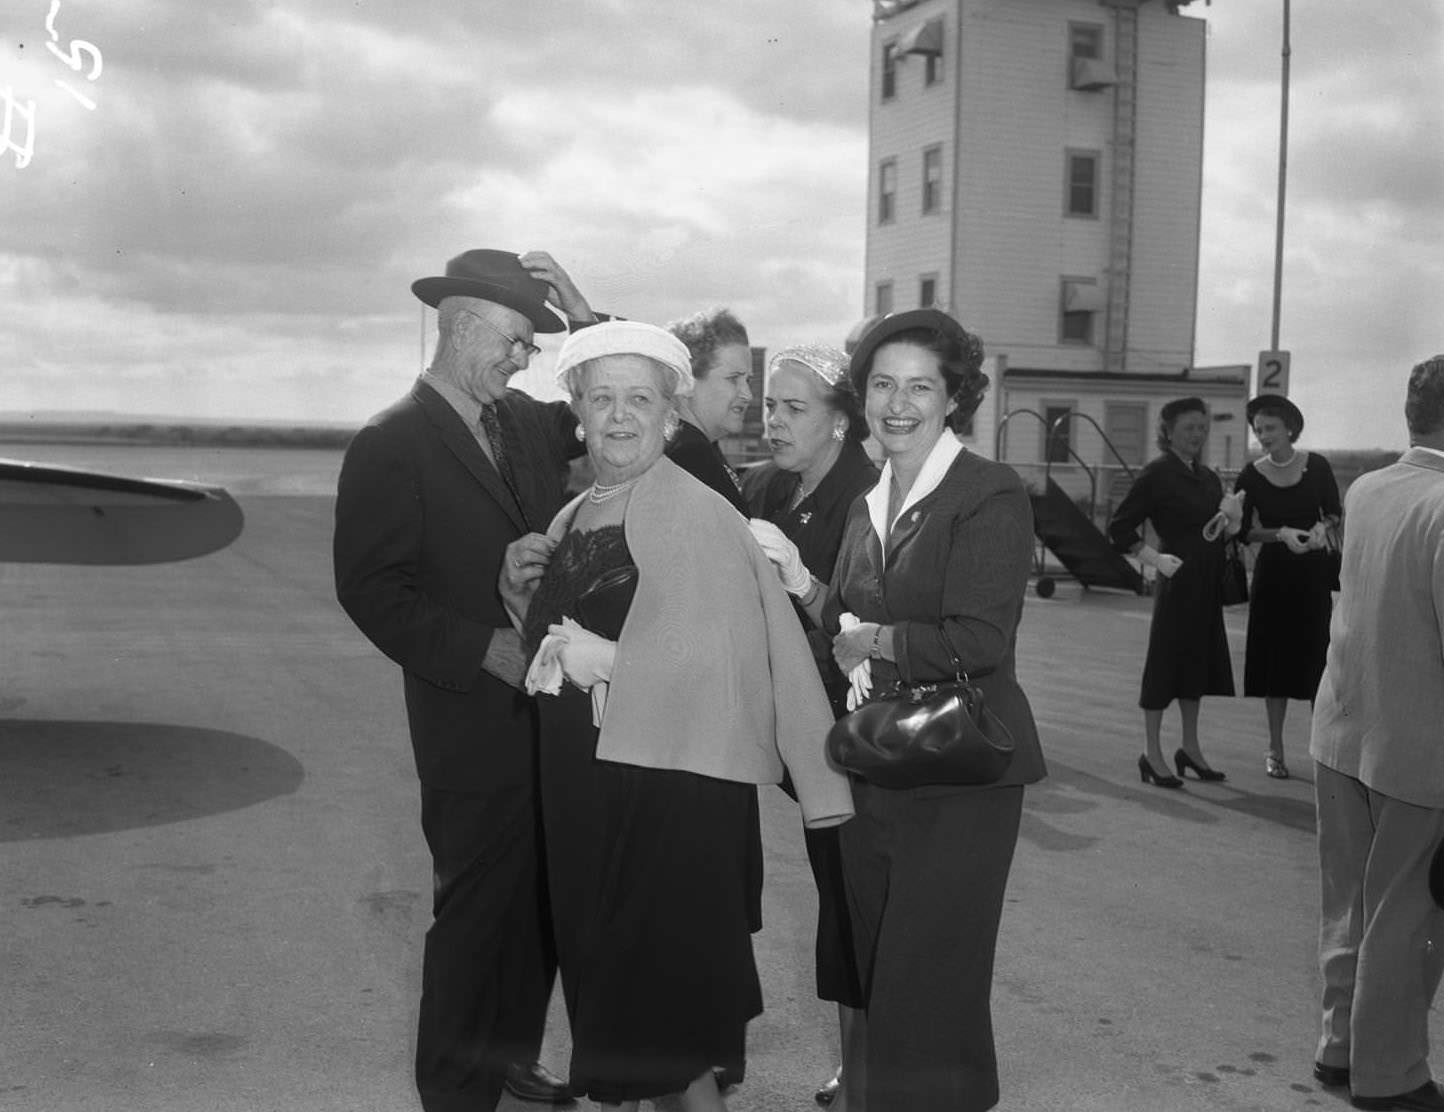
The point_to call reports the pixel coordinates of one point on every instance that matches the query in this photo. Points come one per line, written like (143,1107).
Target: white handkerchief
(544,674)
(860,678)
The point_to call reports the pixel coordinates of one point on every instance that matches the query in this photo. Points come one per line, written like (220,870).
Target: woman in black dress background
(1292,511)
(1187,646)
(816,428)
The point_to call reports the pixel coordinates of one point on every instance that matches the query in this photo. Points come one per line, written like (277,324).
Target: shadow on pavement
(59,779)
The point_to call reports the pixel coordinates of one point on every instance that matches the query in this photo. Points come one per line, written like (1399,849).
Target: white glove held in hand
(1231,506)
(860,678)
(1321,536)
(796,579)
(1165,563)
(1297,540)
(586,659)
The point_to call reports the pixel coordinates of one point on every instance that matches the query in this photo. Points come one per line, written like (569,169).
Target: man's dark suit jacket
(423,519)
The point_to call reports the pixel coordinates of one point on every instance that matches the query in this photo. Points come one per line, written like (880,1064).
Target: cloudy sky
(230,231)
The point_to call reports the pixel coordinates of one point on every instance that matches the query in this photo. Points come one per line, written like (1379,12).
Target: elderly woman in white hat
(675,678)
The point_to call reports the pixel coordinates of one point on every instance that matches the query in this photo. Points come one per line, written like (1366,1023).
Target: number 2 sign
(1273,372)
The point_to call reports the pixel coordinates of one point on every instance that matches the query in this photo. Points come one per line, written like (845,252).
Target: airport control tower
(1036,169)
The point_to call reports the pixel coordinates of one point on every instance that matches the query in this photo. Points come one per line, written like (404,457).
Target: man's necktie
(491,424)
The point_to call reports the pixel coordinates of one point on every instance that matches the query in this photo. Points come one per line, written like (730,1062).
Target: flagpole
(1283,179)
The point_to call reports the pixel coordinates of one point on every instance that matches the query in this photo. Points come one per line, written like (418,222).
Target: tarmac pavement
(213,887)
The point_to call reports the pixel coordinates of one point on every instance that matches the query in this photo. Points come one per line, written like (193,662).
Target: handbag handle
(958,672)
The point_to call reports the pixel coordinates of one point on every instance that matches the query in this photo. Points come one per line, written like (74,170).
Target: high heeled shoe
(1149,775)
(1182,761)
(1274,768)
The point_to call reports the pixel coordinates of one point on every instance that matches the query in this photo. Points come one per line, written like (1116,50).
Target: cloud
(235,226)
(1364,210)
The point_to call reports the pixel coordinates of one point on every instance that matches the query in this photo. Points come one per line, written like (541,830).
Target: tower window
(1081,190)
(887,191)
(927,291)
(932,179)
(889,70)
(884,298)
(1085,40)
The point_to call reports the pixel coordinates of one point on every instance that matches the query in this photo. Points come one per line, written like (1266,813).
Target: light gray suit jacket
(1379,715)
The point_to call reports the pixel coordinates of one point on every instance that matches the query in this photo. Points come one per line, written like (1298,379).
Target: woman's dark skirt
(649,874)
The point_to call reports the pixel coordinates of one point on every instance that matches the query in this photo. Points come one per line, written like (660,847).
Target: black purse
(1234,585)
(911,735)
(603,607)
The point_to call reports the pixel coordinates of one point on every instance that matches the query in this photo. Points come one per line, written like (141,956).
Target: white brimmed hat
(625,337)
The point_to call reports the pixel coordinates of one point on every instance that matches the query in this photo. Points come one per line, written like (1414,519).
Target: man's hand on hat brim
(564,293)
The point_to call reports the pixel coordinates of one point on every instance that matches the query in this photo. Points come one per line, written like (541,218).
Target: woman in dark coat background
(1187,645)
(934,563)
(1291,510)
(799,502)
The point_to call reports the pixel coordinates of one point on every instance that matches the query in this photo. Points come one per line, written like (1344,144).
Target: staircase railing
(1050,431)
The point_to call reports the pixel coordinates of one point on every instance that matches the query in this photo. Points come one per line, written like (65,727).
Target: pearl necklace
(1268,459)
(598,493)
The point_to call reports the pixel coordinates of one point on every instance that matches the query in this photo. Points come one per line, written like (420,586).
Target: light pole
(1283,179)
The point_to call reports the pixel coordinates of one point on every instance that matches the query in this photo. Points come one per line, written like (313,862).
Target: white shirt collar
(940,458)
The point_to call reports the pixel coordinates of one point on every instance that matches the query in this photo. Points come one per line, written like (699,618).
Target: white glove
(1228,520)
(1321,536)
(1231,506)
(545,672)
(860,678)
(1164,562)
(586,659)
(1297,540)
(796,579)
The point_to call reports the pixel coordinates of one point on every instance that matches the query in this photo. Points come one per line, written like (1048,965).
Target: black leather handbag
(1234,587)
(912,735)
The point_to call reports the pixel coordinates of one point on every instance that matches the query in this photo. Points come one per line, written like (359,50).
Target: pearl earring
(837,433)
(581,434)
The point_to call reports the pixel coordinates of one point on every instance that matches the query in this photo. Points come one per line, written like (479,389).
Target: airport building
(1036,170)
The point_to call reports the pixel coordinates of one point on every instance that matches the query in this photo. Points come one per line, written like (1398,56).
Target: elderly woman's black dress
(1188,654)
(1290,603)
(647,870)
(816,525)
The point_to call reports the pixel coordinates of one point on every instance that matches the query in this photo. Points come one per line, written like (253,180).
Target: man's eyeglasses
(512,341)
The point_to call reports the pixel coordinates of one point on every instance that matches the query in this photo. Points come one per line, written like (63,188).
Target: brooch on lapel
(805,517)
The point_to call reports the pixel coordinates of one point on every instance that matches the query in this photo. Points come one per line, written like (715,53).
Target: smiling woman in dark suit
(934,561)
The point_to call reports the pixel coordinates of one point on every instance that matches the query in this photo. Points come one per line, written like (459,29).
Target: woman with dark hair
(722,365)
(799,502)
(934,566)
(1292,511)
(1187,645)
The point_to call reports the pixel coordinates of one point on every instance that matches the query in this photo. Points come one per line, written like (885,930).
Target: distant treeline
(179,435)
(1349,465)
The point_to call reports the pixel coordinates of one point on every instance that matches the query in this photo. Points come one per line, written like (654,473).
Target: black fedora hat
(1436,876)
(877,331)
(492,276)
(1292,414)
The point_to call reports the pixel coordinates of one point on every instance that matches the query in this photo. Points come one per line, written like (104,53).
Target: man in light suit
(1378,740)
(431,493)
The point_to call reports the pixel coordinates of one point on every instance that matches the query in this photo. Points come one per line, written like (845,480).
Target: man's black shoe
(1331,1077)
(1426,1098)
(532,1081)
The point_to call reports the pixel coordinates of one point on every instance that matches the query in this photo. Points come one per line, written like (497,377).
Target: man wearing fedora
(431,492)
(1379,773)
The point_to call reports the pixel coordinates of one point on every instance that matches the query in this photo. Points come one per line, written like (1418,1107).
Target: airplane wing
(60,515)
